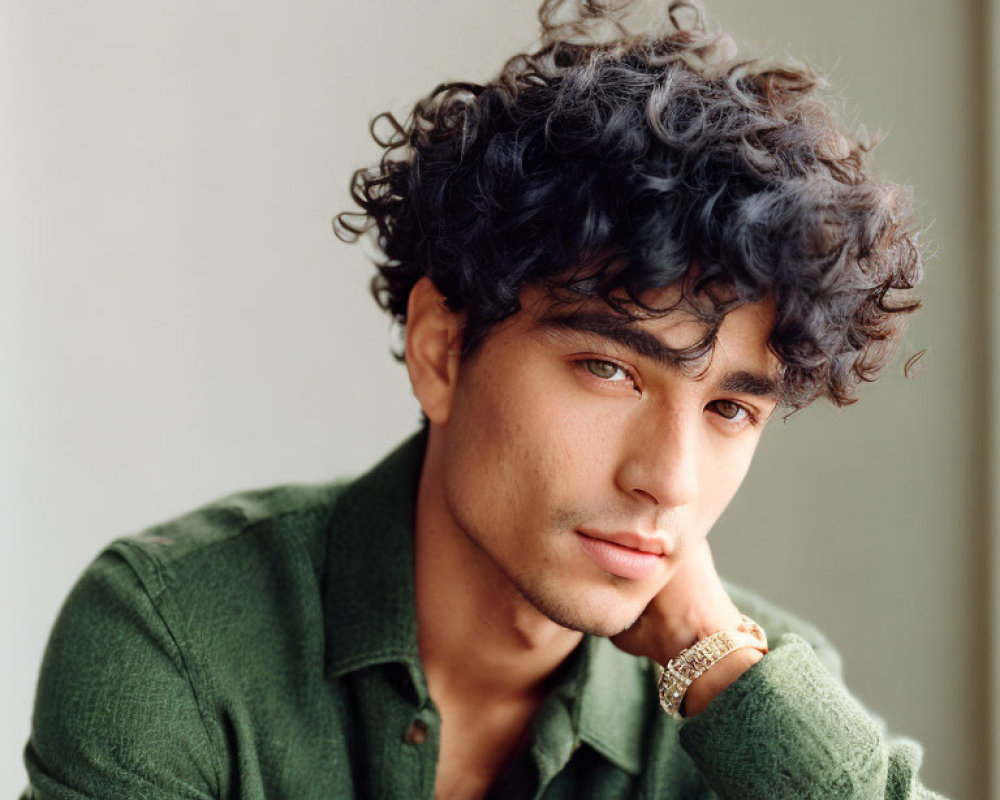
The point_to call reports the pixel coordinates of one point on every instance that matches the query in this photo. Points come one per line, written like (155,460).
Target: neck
(478,636)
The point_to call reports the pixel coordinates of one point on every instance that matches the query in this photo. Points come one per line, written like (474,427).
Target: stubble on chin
(582,610)
(576,614)
(539,585)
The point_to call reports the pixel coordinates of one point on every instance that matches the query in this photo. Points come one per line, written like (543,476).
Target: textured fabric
(265,647)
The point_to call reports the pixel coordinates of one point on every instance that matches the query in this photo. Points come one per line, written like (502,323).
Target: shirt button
(417,732)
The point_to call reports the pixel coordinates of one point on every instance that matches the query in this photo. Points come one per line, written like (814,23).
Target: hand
(692,605)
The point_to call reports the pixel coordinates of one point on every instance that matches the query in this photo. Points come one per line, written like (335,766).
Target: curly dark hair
(609,165)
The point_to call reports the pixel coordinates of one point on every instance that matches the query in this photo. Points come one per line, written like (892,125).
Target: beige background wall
(871,521)
(177,321)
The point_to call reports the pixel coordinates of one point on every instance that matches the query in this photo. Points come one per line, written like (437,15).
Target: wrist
(726,671)
(708,666)
(667,644)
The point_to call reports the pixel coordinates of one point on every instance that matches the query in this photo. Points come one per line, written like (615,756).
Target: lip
(633,541)
(619,559)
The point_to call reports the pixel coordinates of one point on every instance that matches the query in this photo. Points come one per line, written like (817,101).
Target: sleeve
(116,714)
(788,728)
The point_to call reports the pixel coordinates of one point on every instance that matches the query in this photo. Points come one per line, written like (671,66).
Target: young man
(613,263)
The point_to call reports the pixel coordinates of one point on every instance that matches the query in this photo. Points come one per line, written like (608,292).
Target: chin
(604,616)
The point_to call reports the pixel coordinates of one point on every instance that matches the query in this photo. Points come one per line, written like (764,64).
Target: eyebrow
(744,382)
(625,334)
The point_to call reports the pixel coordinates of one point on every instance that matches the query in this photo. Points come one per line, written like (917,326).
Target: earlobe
(432,350)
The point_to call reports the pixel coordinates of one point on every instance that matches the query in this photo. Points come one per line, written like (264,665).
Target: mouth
(633,541)
(626,555)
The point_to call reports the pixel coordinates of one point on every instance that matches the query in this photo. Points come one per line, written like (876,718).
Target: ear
(432,350)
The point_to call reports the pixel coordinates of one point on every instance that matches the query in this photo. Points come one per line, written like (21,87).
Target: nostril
(646,495)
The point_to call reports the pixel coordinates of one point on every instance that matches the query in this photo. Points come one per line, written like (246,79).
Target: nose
(660,461)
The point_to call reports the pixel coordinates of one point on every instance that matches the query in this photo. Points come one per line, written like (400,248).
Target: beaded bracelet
(690,663)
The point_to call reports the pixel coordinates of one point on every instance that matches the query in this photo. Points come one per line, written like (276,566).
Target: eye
(606,370)
(733,412)
(606,375)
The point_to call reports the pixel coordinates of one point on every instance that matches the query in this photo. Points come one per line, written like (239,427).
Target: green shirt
(266,646)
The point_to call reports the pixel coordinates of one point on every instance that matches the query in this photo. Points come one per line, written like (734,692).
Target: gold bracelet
(690,663)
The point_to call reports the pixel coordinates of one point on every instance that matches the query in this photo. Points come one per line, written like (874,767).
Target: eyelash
(586,364)
(751,417)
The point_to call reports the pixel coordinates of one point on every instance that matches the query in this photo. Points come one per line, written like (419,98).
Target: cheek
(493,462)
(572,441)
(722,478)
(519,410)
(526,446)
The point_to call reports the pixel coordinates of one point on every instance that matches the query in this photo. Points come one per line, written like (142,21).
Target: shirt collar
(369,605)
(618,697)
(601,698)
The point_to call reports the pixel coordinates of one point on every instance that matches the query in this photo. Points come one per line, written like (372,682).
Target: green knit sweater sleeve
(116,714)
(789,729)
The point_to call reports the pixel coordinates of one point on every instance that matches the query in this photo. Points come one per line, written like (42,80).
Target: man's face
(585,464)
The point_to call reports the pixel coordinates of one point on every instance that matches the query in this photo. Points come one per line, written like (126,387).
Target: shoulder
(292,516)
(232,567)
(152,642)
(237,574)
